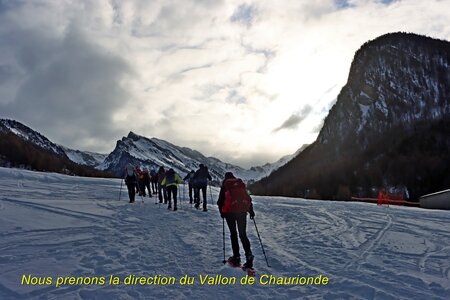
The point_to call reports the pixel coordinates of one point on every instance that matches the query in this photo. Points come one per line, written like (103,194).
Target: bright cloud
(222,77)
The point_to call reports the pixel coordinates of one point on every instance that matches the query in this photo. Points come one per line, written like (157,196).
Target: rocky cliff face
(389,126)
(396,80)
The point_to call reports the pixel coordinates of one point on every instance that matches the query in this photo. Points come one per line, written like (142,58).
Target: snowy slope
(30,135)
(56,225)
(87,158)
(265,170)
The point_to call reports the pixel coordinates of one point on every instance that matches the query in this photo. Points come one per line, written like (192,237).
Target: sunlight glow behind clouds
(216,76)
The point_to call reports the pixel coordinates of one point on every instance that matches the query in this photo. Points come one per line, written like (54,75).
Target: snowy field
(58,226)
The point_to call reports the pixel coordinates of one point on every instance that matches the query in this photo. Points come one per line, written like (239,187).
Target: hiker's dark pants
(238,220)
(172,190)
(141,187)
(154,186)
(147,185)
(131,186)
(162,195)
(191,189)
(203,189)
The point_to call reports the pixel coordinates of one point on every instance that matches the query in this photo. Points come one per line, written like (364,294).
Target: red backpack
(236,198)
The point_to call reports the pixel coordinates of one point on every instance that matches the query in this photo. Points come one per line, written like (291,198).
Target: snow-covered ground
(53,225)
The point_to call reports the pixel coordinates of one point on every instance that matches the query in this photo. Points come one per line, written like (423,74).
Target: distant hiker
(140,181)
(200,179)
(130,181)
(154,180)
(171,182)
(234,203)
(146,182)
(190,179)
(383,197)
(161,189)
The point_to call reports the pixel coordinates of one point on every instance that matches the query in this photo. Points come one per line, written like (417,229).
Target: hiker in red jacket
(234,203)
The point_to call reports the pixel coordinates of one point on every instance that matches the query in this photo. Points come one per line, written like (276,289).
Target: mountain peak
(133,136)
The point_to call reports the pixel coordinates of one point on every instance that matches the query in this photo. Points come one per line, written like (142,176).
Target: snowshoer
(234,203)
(190,179)
(161,189)
(139,180)
(154,180)
(200,179)
(170,182)
(130,181)
(146,182)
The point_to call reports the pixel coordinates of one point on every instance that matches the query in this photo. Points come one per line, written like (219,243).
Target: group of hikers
(165,184)
(234,202)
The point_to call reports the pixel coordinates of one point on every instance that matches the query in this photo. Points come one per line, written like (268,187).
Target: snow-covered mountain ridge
(87,158)
(30,135)
(153,153)
(23,147)
(140,150)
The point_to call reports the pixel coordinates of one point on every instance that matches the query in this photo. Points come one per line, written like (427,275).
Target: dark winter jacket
(190,177)
(201,176)
(153,176)
(146,177)
(130,179)
(161,175)
(130,175)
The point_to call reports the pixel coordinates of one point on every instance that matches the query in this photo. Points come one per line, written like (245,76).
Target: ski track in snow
(56,225)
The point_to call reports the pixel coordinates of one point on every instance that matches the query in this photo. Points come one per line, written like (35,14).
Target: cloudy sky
(244,81)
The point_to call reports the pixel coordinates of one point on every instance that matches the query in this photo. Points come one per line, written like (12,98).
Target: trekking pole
(160,192)
(181,200)
(140,193)
(210,192)
(120,192)
(190,195)
(223,239)
(262,247)
(157,195)
(183,190)
(142,198)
